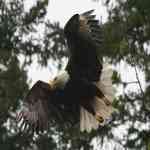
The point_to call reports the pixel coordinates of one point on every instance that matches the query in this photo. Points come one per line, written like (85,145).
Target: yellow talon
(100,119)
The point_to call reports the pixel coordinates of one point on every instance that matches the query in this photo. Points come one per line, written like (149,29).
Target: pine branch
(131,82)
(134,65)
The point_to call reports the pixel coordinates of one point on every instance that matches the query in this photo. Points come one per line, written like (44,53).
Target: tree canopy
(126,38)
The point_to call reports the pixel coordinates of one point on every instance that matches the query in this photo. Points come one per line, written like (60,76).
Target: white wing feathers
(103,111)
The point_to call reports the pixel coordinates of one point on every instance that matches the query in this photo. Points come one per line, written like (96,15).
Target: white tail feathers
(102,106)
(87,121)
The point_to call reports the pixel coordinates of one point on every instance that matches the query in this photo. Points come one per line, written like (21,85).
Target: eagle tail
(102,106)
(87,121)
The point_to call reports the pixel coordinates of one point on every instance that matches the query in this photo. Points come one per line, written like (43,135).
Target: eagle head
(60,81)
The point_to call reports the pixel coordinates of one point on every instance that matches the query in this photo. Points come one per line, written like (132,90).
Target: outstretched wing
(84,37)
(86,28)
(44,104)
(35,112)
(91,28)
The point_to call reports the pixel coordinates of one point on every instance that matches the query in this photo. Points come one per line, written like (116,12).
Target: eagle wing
(35,111)
(44,104)
(91,28)
(84,38)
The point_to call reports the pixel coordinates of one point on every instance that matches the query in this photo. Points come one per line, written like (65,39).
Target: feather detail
(90,27)
(35,109)
(87,121)
(91,17)
(105,83)
(88,13)
(102,106)
(34,115)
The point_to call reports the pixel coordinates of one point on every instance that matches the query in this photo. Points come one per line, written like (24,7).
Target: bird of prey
(83,92)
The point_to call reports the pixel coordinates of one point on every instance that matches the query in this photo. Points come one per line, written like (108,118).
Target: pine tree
(127,34)
(126,38)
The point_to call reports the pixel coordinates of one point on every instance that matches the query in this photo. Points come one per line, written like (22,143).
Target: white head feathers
(60,80)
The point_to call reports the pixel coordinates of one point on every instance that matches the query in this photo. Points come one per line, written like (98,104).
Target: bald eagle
(83,92)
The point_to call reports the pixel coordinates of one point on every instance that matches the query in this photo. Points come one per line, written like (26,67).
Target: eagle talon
(100,119)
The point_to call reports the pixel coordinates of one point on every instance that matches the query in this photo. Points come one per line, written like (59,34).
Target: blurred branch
(132,82)
(133,47)
(138,80)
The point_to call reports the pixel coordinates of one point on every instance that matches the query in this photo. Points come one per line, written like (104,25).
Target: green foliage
(18,45)
(116,77)
(126,38)
(13,75)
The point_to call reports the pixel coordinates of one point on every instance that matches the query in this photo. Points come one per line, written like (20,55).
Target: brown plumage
(78,94)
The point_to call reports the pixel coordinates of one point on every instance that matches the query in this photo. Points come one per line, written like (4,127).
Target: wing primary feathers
(91,17)
(98,40)
(95,28)
(87,13)
(35,112)
(93,22)
(92,27)
(38,106)
(99,36)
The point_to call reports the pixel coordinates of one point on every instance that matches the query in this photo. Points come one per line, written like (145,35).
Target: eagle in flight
(83,92)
